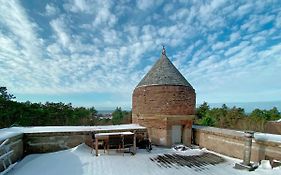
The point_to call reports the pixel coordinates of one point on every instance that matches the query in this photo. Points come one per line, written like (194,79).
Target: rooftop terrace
(64,151)
(79,160)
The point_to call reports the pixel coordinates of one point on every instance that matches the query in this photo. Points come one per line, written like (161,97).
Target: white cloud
(244,10)
(79,6)
(234,36)
(101,11)
(104,17)
(236,49)
(219,45)
(146,4)
(51,10)
(180,14)
(61,31)
(107,47)
(278,20)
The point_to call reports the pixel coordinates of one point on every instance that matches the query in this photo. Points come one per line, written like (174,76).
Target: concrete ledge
(220,131)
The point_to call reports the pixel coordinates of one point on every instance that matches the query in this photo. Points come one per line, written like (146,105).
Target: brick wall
(161,106)
(159,127)
(164,99)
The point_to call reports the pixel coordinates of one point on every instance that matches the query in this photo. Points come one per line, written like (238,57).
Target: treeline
(235,117)
(13,113)
(119,116)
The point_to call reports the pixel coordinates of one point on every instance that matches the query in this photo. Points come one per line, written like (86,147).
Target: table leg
(134,147)
(107,146)
(97,146)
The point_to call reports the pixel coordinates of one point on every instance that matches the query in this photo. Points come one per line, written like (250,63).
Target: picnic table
(106,136)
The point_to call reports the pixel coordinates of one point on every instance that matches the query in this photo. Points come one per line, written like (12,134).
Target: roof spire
(163,73)
(163,50)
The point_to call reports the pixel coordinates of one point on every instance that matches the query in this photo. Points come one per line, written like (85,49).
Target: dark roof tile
(164,73)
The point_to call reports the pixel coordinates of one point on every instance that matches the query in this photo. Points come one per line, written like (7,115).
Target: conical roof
(163,73)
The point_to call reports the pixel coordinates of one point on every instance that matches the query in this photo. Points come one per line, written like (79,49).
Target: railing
(5,158)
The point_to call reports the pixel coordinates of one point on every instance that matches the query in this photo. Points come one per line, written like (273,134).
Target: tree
(233,116)
(93,111)
(202,110)
(207,121)
(117,116)
(273,114)
(258,114)
(4,94)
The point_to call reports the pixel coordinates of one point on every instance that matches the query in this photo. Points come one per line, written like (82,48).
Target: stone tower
(164,102)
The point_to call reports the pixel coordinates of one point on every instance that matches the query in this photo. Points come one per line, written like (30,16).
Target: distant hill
(250,106)
(105,111)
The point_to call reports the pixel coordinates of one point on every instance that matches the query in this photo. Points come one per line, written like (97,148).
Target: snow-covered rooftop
(267,137)
(80,161)
(13,131)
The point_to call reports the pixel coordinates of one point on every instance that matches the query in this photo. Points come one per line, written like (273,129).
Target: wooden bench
(5,155)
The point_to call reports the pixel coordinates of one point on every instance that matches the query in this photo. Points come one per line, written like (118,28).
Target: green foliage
(4,94)
(14,113)
(235,118)
(121,117)
(117,116)
(202,110)
(207,121)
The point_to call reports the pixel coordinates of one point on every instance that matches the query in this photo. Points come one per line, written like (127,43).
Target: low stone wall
(46,139)
(56,141)
(16,144)
(231,143)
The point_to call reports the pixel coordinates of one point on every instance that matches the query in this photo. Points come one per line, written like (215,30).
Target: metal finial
(163,50)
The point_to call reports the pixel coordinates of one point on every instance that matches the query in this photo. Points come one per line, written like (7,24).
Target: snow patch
(5,134)
(184,150)
(80,161)
(45,129)
(265,164)
(268,137)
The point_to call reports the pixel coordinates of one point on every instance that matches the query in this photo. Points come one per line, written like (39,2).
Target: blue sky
(93,53)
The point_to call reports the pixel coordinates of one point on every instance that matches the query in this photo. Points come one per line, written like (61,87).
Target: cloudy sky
(93,53)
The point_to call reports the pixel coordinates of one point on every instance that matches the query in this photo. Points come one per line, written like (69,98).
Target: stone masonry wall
(50,142)
(55,141)
(231,143)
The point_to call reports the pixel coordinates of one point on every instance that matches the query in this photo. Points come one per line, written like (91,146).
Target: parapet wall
(231,143)
(224,141)
(50,139)
(55,141)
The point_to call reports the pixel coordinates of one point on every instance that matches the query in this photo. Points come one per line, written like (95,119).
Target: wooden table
(105,136)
